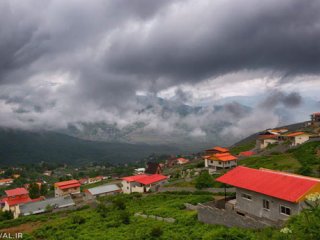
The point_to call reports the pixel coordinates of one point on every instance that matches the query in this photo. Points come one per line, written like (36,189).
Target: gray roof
(40,206)
(103,189)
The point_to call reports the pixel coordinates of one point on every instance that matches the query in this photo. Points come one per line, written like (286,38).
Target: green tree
(6,215)
(44,190)
(204,180)
(34,190)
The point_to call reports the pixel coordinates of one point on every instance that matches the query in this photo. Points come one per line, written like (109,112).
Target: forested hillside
(23,147)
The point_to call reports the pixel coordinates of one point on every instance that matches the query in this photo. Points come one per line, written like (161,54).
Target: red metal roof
(134,178)
(70,186)
(17,201)
(221,149)
(182,160)
(67,184)
(225,157)
(16,191)
(286,186)
(247,153)
(6,180)
(295,134)
(145,179)
(27,199)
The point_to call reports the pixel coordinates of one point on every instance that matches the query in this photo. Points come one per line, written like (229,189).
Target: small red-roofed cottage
(220,161)
(182,161)
(269,194)
(263,141)
(6,182)
(16,197)
(66,187)
(143,183)
(297,138)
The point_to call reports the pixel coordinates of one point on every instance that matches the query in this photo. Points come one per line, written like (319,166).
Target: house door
(144,189)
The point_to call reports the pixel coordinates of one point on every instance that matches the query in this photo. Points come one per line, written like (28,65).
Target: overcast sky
(85,61)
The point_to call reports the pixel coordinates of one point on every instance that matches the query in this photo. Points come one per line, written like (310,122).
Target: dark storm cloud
(215,39)
(86,59)
(275,98)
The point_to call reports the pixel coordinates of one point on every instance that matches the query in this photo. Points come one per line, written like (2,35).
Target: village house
(95,179)
(6,182)
(15,176)
(182,161)
(100,191)
(276,131)
(46,205)
(315,119)
(220,161)
(153,168)
(215,150)
(296,138)
(143,183)
(268,194)
(47,173)
(263,141)
(83,181)
(139,171)
(14,198)
(66,187)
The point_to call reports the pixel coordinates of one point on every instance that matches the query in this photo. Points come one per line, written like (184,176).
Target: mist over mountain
(194,127)
(183,117)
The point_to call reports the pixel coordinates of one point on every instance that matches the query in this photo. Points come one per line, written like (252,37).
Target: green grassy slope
(118,221)
(303,160)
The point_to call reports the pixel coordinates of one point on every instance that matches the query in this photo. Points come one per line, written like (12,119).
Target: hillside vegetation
(303,159)
(114,219)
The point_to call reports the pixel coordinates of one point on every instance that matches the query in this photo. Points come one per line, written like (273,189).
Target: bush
(6,215)
(102,210)
(124,217)
(77,219)
(119,204)
(156,232)
(204,180)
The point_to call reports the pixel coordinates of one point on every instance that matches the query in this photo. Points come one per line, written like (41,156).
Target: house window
(285,210)
(246,196)
(266,204)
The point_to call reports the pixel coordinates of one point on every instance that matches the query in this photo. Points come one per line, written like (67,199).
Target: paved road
(192,189)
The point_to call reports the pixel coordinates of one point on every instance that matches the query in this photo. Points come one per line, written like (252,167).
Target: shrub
(77,219)
(6,215)
(102,210)
(119,204)
(204,180)
(156,232)
(124,217)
